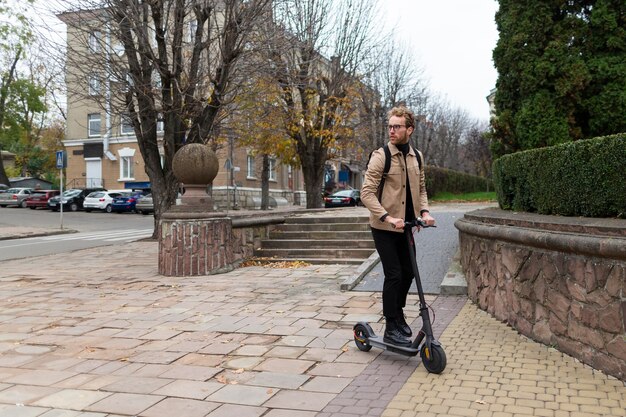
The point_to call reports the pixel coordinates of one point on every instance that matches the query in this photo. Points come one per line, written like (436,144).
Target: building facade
(103,150)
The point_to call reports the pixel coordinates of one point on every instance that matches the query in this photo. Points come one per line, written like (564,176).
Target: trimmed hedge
(583,178)
(446,180)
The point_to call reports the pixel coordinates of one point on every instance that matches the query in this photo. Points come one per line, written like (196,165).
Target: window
(160,124)
(193,26)
(251,168)
(128,82)
(126,167)
(126,125)
(93,127)
(94,85)
(94,41)
(272,169)
(127,163)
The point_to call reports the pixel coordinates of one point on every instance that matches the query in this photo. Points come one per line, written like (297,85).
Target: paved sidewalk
(98,333)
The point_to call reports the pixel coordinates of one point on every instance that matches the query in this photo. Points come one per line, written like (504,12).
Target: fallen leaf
(238,371)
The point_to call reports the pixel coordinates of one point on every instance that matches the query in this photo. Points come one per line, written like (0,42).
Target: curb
(361,271)
(37,234)
(454,282)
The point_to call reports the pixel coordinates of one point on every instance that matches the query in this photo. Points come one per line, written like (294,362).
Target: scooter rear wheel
(360,338)
(436,361)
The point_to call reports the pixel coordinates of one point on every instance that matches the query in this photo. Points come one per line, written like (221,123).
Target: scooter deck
(378,341)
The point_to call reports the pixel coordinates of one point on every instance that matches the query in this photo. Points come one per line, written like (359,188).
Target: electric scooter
(431,351)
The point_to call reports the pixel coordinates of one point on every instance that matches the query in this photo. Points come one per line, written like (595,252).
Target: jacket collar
(394,149)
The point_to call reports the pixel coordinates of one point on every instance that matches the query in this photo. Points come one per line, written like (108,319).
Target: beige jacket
(393,201)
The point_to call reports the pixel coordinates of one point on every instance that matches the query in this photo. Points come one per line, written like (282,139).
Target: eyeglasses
(395,127)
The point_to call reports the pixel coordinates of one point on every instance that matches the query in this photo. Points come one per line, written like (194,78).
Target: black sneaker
(394,336)
(402,325)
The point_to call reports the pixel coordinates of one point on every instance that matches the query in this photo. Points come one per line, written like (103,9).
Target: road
(93,229)
(435,249)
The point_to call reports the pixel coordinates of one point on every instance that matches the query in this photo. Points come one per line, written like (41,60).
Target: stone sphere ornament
(195,165)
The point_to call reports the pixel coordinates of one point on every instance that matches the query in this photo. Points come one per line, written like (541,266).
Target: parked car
(39,198)
(15,197)
(343,198)
(3,188)
(71,199)
(145,205)
(126,202)
(101,200)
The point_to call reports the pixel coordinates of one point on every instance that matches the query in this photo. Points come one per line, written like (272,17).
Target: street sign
(61,159)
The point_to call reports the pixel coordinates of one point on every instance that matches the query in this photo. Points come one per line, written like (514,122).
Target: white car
(101,200)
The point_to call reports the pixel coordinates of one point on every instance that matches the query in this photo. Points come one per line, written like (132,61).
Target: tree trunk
(265,183)
(4,179)
(313,183)
(4,95)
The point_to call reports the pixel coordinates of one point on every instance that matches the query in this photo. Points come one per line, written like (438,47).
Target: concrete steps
(325,238)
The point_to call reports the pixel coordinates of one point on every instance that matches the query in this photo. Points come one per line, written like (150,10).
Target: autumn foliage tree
(318,48)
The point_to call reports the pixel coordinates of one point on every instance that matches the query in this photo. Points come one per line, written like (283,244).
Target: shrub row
(583,178)
(440,180)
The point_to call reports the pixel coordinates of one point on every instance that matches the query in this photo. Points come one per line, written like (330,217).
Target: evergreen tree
(562,72)
(604,51)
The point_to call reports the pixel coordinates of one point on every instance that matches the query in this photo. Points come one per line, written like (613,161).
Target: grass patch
(468,197)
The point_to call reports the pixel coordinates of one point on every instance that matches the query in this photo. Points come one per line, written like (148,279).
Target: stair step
(315,261)
(327,244)
(303,254)
(329,227)
(343,235)
(327,219)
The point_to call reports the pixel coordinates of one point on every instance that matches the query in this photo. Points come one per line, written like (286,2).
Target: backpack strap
(419,157)
(379,192)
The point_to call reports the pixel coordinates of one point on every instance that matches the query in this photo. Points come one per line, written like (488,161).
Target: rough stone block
(584,334)
(610,318)
(615,281)
(559,305)
(617,347)
(557,326)
(541,332)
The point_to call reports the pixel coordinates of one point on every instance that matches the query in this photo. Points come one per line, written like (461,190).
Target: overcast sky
(453,42)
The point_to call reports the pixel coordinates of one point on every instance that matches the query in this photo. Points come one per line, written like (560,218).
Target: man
(403,199)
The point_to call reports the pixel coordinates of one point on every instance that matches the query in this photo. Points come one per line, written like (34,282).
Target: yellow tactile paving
(494,371)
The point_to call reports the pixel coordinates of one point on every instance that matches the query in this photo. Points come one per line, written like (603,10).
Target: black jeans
(393,250)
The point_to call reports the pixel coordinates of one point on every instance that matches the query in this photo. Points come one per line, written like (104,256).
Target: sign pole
(61,198)
(61,163)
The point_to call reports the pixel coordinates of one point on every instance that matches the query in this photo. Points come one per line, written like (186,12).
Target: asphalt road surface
(92,229)
(435,248)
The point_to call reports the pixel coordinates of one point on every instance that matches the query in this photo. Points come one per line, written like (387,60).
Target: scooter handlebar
(417,223)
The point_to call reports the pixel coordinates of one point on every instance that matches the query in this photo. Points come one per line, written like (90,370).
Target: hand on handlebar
(420,222)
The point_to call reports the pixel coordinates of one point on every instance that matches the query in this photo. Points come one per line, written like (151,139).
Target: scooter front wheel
(360,338)
(434,359)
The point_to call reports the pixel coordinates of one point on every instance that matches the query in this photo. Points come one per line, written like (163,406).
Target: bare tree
(476,150)
(395,79)
(322,48)
(175,61)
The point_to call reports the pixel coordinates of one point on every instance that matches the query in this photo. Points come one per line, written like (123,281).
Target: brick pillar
(193,244)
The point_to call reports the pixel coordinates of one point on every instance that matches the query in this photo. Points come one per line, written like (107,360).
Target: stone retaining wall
(560,281)
(205,243)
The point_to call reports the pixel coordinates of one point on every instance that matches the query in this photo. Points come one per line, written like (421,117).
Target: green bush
(583,178)
(440,180)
